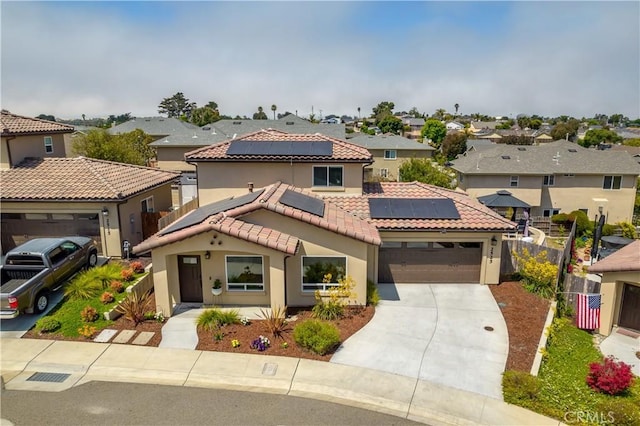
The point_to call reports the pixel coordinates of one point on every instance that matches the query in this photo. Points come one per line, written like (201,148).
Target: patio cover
(502,198)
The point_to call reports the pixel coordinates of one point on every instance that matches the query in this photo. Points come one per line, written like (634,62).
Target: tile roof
(545,159)
(624,260)
(13,124)
(342,150)
(473,215)
(389,142)
(78,179)
(230,222)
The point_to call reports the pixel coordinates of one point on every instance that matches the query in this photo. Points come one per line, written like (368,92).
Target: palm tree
(358,112)
(274,108)
(456,106)
(440,112)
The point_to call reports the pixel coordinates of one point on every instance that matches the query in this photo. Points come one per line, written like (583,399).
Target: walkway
(434,332)
(624,345)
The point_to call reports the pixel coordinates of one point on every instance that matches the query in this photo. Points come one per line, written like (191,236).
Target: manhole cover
(488,328)
(48,377)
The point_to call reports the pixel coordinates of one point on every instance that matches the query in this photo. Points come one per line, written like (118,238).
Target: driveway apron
(434,332)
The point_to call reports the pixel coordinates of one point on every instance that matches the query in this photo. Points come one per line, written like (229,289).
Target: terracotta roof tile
(78,179)
(624,260)
(473,215)
(13,124)
(342,150)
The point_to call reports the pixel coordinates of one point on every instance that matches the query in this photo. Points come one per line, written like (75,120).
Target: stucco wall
(217,181)
(129,213)
(172,158)
(611,288)
(402,155)
(21,147)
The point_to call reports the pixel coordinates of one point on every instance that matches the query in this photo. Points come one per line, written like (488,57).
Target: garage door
(20,227)
(429,262)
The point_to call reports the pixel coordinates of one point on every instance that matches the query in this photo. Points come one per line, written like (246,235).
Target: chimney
(250,186)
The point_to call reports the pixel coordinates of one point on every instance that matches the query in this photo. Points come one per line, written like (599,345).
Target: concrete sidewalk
(406,397)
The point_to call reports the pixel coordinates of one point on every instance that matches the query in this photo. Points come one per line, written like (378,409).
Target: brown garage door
(429,262)
(17,228)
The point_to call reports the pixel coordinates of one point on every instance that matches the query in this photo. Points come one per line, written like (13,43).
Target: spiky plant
(275,320)
(134,306)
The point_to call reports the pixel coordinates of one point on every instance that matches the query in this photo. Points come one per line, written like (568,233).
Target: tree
(204,115)
(415,113)
(213,105)
(114,120)
(176,106)
(506,125)
(130,148)
(564,130)
(440,113)
(260,115)
(274,108)
(454,144)
(382,110)
(46,117)
(456,106)
(631,142)
(425,171)
(391,124)
(535,123)
(358,112)
(595,137)
(434,131)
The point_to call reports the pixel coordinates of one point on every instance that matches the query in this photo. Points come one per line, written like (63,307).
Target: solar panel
(303,202)
(413,208)
(278,148)
(200,214)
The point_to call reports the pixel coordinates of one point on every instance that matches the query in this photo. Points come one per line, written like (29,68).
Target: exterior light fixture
(207,254)
(105,211)
(494,241)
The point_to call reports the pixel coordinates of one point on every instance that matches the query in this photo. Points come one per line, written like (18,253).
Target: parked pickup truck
(34,269)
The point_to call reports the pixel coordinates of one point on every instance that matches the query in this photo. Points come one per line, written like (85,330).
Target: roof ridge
(91,167)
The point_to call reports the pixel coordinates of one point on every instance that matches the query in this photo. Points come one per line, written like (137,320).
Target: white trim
(613,179)
(324,286)
(395,154)
(512,181)
(48,143)
(226,274)
(149,201)
(327,166)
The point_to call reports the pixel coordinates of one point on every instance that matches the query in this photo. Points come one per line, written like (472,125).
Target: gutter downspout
(285,278)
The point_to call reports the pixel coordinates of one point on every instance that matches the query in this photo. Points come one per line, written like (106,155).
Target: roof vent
(521,148)
(506,157)
(290,123)
(573,150)
(206,128)
(237,122)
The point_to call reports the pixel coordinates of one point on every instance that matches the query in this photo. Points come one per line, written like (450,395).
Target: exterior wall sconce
(207,254)
(494,241)
(600,209)
(105,211)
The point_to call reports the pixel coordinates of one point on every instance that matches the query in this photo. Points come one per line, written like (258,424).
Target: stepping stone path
(105,335)
(124,336)
(143,338)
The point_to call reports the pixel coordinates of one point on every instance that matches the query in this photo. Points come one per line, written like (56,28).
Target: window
(36,216)
(62,216)
(384,173)
(327,176)
(391,244)
(569,175)
(390,154)
(612,182)
(549,180)
(514,181)
(147,204)
(245,273)
(443,244)
(550,212)
(418,245)
(316,268)
(460,177)
(470,245)
(48,144)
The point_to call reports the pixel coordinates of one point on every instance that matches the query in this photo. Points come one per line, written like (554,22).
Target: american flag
(588,311)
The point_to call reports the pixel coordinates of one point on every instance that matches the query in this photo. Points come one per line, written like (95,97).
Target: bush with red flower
(609,376)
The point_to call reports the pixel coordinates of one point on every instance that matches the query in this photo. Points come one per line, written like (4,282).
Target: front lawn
(560,390)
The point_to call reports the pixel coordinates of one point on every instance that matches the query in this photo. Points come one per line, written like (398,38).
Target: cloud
(575,58)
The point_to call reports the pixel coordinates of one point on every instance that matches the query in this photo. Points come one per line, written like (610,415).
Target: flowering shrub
(89,314)
(127,274)
(137,267)
(235,343)
(245,321)
(117,286)
(332,308)
(260,344)
(86,331)
(106,297)
(538,274)
(609,376)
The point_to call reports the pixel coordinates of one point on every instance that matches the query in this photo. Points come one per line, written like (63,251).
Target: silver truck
(34,269)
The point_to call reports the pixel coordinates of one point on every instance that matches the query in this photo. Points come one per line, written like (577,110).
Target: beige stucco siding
(393,166)
(217,181)
(611,289)
(172,158)
(129,213)
(528,189)
(21,147)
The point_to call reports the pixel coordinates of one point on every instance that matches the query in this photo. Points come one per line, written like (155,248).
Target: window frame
(513,181)
(390,151)
(146,202)
(384,172)
(328,168)
(242,287)
(612,183)
(320,286)
(48,145)
(549,180)
(550,212)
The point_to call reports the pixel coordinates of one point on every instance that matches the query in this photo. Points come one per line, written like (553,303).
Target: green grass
(215,317)
(561,384)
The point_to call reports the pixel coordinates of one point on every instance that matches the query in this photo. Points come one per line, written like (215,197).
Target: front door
(190,278)
(630,310)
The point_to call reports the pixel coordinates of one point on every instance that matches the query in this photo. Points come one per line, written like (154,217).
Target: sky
(495,58)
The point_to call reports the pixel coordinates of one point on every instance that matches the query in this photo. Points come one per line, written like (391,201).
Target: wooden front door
(630,309)
(190,277)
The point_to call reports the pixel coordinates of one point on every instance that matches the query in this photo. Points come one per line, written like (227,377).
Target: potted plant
(216,289)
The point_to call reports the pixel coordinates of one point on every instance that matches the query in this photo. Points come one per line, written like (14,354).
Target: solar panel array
(200,214)
(413,208)
(303,202)
(279,148)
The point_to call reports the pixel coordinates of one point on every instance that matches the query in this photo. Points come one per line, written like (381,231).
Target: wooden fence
(509,264)
(576,284)
(177,213)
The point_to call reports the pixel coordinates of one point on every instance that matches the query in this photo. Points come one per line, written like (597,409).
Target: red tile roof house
(620,289)
(82,196)
(24,137)
(271,244)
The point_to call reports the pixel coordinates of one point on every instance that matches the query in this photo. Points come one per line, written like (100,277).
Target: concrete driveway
(434,332)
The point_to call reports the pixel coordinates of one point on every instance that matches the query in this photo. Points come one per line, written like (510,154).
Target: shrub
(583,224)
(134,306)
(628,230)
(84,286)
(89,314)
(260,344)
(137,266)
(373,296)
(337,297)
(620,412)
(538,274)
(213,318)
(609,376)
(317,336)
(275,320)
(127,274)
(117,286)
(106,297)
(562,218)
(520,388)
(105,273)
(608,229)
(87,331)
(47,325)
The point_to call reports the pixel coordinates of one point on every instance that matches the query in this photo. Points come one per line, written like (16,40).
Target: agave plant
(275,320)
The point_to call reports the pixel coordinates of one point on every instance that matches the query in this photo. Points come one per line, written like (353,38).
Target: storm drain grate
(48,377)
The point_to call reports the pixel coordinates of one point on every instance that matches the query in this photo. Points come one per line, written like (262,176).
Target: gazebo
(502,200)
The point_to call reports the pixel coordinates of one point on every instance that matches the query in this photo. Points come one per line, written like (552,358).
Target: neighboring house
(633,151)
(542,137)
(157,127)
(479,145)
(106,201)
(555,177)
(320,163)
(273,246)
(24,137)
(389,152)
(620,289)
(478,126)
(454,125)
(415,127)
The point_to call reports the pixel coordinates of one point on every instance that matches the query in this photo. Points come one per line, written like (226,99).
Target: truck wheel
(93,260)
(42,301)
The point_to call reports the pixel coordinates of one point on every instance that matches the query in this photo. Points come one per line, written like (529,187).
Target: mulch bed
(525,314)
(354,320)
